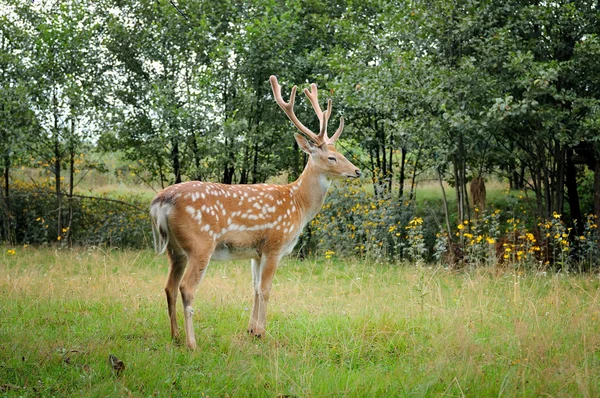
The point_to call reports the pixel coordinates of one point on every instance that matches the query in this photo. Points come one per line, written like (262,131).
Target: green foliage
(97,221)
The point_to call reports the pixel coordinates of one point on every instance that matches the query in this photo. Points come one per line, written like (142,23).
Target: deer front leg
(263,272)
(256,287)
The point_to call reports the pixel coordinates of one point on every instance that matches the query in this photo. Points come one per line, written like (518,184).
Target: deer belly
(287,249)
(225,251)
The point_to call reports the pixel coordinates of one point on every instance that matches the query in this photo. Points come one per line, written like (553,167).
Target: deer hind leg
(177,262)
(197,264)
(262,273)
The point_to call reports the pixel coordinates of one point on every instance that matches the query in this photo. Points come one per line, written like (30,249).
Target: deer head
(321,148)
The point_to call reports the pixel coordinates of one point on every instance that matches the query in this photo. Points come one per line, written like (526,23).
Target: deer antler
(313,96)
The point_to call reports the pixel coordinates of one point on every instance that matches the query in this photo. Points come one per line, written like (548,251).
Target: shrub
(99,221)
(353,222)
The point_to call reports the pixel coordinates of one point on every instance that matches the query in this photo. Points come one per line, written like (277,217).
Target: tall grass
(334,329)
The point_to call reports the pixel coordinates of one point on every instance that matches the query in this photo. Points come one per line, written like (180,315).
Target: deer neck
(310,191)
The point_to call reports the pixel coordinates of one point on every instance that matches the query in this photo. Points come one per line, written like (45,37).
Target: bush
(98,221)
(355,223)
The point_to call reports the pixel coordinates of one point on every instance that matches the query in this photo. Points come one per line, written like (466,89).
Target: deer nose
(357,172)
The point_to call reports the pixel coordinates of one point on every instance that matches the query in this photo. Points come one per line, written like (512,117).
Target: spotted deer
(196,222)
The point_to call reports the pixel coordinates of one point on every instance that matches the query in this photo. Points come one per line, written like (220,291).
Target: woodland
(456,93)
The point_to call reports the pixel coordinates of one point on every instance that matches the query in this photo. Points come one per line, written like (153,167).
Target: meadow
(335,328)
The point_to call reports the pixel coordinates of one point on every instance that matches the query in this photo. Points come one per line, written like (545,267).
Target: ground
(335,328)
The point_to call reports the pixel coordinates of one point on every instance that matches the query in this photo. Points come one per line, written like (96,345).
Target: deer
(198,222)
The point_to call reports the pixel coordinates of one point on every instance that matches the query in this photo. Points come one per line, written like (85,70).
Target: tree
(63,68)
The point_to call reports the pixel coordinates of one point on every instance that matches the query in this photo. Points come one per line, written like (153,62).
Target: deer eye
(332,159)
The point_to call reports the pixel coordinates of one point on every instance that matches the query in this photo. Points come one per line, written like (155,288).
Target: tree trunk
(57,186)
(573,195)
(57,168)
(546,182)
(413,181)
(597,194)
(196,153)
(390,170)
(69,234)
(245,172)
(402,174)
(559,178)
(7,225)
(478,193)
(175,160)
(445,202)
(536,174)
(228,167)
(457,187)
(255,164)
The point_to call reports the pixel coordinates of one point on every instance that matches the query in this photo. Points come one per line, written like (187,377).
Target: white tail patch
(159,212)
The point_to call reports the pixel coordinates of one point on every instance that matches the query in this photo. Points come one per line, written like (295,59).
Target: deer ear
(304,144)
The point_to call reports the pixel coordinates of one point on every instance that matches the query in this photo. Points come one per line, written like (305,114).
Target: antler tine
(333,139)
(288,109)
(325,121)
(313,97)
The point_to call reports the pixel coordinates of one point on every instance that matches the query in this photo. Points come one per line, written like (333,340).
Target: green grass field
(335,328)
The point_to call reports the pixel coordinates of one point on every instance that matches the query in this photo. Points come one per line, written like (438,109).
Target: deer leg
(256,286)
(177,261)
(196,266)
(262,291)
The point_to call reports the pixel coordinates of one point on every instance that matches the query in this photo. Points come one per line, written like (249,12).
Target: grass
(335,328)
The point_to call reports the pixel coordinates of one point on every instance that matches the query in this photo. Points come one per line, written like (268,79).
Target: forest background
(456,94)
